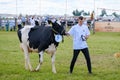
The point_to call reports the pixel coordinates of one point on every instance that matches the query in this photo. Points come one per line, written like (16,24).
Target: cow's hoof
(26,68)
(36,70)
(32,70)
(54,72)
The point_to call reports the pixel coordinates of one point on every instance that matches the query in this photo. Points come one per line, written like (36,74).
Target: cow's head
(57,27)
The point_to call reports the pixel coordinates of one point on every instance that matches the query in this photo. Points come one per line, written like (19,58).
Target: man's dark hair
(80,17)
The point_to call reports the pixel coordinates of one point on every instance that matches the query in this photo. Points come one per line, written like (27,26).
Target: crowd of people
(9,24)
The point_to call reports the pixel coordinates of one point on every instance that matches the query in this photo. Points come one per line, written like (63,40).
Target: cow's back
(40,38)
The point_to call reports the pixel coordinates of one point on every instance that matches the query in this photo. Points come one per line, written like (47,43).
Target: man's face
(80,21)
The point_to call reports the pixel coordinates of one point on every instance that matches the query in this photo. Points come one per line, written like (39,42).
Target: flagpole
(16,9)
(16,16)
(94,8)
(40,7)
(94,19)
(66,14)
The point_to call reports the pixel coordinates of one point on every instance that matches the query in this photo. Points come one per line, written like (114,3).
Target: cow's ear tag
(58,38)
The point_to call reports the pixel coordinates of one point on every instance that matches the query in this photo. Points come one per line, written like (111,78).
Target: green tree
(76,13)
(103,12)
(86,13)
(115,14)
(79,13)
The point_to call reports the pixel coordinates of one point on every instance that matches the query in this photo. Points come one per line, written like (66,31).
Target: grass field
(102,47)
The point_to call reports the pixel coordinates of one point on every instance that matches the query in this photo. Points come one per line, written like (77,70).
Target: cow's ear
(36,23)
(49,21)
(58,22)
(53,20)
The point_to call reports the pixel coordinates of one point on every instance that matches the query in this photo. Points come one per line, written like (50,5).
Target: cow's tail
(19,26)
(19,32)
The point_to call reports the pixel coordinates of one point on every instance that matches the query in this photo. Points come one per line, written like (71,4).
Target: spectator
(0,21)
(23,20)
(11,24)
(7,25)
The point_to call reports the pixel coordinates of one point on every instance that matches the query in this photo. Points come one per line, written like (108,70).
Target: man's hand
(67,34)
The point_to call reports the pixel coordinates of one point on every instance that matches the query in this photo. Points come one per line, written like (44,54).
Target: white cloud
(56,7)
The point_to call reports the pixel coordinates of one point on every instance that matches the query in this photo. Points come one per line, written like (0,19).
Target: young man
(80,34)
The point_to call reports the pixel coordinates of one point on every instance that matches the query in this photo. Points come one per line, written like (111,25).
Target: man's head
(80,20)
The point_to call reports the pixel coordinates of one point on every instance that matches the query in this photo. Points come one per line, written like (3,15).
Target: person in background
(0,21)
(19,21)
(11,24)
(7,25)
(32,21)
(80,34)
(23,20)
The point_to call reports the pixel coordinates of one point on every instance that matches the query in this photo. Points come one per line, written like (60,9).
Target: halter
(57,31)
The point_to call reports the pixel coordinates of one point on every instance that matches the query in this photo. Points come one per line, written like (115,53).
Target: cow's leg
(27,58)
(40,60)
(53,62)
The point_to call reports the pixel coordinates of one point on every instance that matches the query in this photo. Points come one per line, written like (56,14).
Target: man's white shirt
(76,31)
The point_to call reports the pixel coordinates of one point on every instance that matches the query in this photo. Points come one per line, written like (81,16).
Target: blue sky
(55,7)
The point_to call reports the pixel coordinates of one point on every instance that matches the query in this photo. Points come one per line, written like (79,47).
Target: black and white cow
(40,39)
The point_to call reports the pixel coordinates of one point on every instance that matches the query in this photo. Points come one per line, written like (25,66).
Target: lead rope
(55,31)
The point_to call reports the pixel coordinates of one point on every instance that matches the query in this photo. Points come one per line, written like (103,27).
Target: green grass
(102,47)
